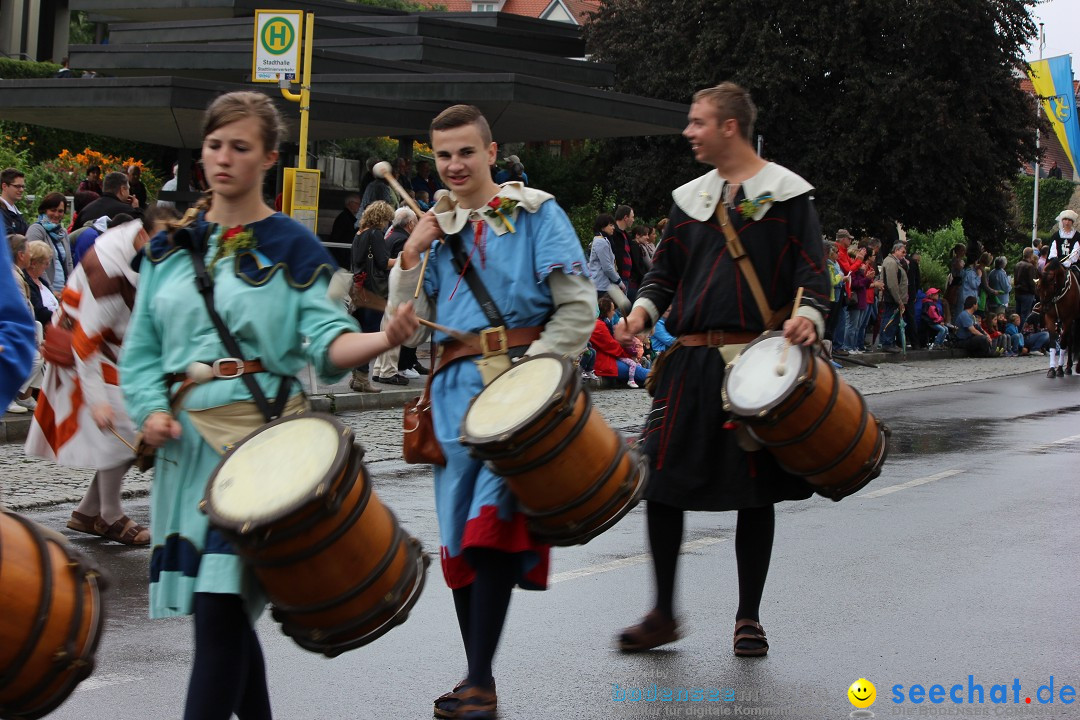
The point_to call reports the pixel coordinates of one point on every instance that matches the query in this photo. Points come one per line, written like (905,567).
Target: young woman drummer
(270,278)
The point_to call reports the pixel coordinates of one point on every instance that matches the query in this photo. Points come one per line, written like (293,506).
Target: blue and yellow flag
(1053,81)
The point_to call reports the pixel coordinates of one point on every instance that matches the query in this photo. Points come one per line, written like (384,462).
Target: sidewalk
(338,398)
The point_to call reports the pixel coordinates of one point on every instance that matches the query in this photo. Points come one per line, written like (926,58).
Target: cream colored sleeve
(402,287)
(575,316)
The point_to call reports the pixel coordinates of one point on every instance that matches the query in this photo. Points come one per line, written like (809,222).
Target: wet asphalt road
(961,560)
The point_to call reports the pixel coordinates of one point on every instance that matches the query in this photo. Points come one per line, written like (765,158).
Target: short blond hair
(378,214)
(39,250)
(731,101)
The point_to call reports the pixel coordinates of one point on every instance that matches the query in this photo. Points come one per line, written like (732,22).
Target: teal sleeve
(141,374)
(322,321)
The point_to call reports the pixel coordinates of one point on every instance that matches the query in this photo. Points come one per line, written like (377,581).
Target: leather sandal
(653,631)
(476,703)
(752,636)
(80,522)
(447,703)
(125,530)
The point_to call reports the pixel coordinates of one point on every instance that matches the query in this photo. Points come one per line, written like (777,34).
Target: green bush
(933,273)
(583,216)
(19,69)
(1054,196)
(938,244)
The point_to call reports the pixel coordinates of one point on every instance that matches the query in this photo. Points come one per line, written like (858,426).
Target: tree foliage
(904,110)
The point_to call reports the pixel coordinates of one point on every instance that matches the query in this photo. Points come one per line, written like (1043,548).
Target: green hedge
(1054,196)
(18,69)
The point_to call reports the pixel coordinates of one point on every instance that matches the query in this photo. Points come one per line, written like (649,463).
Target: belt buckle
(222,374)
(499,334)
(714,338)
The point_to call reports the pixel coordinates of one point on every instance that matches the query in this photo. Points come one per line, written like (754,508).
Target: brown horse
(1059,299)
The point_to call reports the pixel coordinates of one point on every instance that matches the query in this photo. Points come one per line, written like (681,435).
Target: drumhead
(274,470)
(753,383)
(515,398)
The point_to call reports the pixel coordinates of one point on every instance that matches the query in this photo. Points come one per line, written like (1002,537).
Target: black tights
(481,609)
(228,675)
(753,549)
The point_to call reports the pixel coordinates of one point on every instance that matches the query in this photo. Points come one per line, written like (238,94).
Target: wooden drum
(814,423)
(573,475)
(295,499)
(50,618)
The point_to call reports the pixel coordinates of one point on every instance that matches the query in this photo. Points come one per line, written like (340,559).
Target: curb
(14,428)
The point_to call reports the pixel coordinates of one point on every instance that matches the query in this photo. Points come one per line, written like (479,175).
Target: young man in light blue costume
(525,251)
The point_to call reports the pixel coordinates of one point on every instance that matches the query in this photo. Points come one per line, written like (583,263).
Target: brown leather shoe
(653,631)
(447,704)
(752,636)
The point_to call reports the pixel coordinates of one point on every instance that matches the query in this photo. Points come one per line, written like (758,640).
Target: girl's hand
(159,428)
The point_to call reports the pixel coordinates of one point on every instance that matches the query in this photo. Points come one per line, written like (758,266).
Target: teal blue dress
(271,297)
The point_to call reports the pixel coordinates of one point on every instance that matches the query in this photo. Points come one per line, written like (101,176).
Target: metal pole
(1038,138)
(305,89)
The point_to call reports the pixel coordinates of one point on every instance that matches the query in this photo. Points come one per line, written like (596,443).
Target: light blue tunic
(169,330)
(474,506)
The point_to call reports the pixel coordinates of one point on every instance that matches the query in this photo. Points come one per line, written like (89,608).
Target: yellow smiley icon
(862,693)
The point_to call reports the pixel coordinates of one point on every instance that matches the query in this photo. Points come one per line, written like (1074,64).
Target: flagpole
(1038,137)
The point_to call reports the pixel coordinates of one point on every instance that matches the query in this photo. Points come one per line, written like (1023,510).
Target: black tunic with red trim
(696,463)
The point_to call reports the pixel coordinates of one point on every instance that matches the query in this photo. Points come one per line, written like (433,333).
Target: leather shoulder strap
(772,319)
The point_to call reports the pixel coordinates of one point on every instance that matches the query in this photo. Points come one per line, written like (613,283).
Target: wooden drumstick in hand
(781,366)
(386,172)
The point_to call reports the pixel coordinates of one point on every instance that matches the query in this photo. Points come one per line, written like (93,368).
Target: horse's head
(1051,279)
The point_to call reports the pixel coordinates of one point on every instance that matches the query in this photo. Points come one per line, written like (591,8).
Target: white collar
(698,198)
(10,206)
(1067,236)
(452,217)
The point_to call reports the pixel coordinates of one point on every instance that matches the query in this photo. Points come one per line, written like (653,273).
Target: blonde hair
(731,101)
(378,214)
(39,250)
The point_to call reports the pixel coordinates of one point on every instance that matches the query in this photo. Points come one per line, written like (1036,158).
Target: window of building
(484,7)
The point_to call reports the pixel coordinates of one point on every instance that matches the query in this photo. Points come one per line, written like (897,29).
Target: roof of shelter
(375,72)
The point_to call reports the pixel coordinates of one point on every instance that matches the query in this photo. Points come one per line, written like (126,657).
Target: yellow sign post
(276,58)
(300,196)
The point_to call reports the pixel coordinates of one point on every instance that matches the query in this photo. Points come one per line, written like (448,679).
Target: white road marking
(910,484)
(1046,446)
(626,562)
(105,680)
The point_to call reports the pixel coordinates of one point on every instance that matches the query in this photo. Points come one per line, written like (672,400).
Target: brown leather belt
(717,338)
(223,369)
(489,342)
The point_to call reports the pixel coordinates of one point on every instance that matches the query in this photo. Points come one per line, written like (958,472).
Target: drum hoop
(345,438)
(560,394)
(79,668)
(871,468)
(342,528)
(350,593)
(802,377)
(552,453)
(801,437)
(340,490)
(417,578)
(635,493)
(18,664)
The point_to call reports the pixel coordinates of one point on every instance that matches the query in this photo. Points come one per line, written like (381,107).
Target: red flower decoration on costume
(232,232)
(495,202)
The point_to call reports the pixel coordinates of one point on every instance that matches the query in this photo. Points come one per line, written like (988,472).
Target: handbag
(57,348)
(419,444)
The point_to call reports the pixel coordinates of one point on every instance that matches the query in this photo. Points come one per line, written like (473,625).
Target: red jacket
(847,263)
(607,350)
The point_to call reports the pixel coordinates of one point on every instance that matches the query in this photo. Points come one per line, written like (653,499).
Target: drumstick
(384,171)
(782,365)
(121,439)
(374,302)
(619,298)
